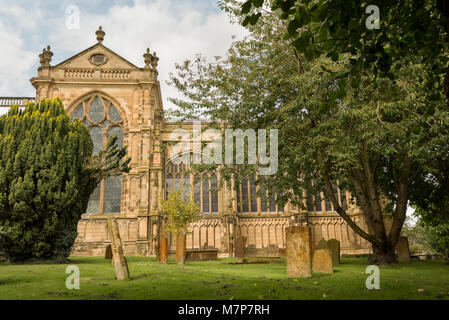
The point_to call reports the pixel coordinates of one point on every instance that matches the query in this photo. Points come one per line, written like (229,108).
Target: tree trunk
(384,253)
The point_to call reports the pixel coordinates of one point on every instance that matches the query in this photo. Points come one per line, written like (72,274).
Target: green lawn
(222,280)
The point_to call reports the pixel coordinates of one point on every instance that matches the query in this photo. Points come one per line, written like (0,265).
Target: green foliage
(424,237)
(419,237)
(46,178)
(338,27)
(439,240)
(180,212)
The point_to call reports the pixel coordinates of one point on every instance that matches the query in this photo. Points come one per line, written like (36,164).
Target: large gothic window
(205,186)
(103,120)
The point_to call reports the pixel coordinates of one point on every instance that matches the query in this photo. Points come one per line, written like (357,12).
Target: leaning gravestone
(298,251)
(334,246)
(322,261)
(402,249)
(118,259)
(108,252)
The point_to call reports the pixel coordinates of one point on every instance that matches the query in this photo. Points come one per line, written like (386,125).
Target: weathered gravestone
(402,249)
(334,246)
(239,247)
(181,248)
(322,261)
(163,252)
(118,259)
(298,251)
(108,252)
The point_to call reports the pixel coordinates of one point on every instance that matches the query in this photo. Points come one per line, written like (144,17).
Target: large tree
(47,173)
(370,135)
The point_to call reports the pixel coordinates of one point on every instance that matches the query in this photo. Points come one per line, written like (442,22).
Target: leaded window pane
(78,113)
(318,202)
(206,207)
(252,189)
(178,183)
(263,199)
(96,134)
(214,194)
(272,203)
(169,185)
(197,192)
(96,110)
(112,194)
(245,207)
(114,115)
(186,187)
(239,198)
(93,205)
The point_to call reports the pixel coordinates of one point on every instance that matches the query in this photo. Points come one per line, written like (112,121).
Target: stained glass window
(96,110)
(245,206)
(253,195)
(114,115)
(214,193)
(206,207)
(98,114)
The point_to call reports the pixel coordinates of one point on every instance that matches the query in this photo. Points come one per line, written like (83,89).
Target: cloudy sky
(175,29)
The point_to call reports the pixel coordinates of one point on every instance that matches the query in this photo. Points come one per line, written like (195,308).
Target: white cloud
(176,30)
(15,63)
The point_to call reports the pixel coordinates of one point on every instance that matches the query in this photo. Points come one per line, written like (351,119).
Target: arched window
(103,120)
(248,196)
(201,188)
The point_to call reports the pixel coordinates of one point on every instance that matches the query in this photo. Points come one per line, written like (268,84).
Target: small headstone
(298,251)
(402,249)
(334,246)
(322,261)
(163,252)
(118,259)
(180,248)
(108,252)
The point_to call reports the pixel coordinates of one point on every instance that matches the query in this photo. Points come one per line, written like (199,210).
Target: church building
(113,96)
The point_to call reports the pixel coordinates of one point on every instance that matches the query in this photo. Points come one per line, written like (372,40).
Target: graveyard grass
(222,280)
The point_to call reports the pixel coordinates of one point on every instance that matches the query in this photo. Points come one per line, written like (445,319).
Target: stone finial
(100,35)
(147,58)
(154,61)
(45,57)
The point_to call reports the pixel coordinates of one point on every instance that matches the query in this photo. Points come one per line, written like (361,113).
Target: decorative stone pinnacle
(147,58)
(45,57)
(154,60)
(100,35)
